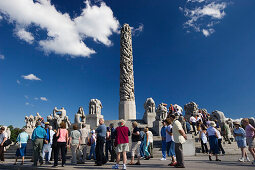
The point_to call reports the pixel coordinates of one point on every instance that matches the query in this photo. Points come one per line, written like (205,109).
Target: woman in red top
(121,141)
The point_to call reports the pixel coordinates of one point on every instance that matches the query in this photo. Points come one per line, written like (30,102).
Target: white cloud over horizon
(202,15)
(31,77)
(2,57)
(43,98)
(65,35)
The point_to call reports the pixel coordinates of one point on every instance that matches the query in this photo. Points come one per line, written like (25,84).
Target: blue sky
(195,50)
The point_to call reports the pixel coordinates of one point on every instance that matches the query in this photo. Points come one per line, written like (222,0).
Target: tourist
(83,143)
(38,137)
(3,138)
(193,122)
(240,137)
(213,141)
(101,134)
(180,138)
(47,146)
(203,139)
(22,141)
(188,127)
(220,142)
(183,122)
(62,142)
(170,145)
(163,140)
(54,144)
(226,131)
(122,144)
(113,149)
(108,143)
(136,142)
(150,148)
(250,135)
(142,134)
(74,143)
(92,143)
(146,144)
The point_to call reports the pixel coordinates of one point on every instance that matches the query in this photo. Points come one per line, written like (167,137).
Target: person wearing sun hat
(213,141)
(240,137)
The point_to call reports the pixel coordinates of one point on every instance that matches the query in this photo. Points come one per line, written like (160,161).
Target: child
(93,145)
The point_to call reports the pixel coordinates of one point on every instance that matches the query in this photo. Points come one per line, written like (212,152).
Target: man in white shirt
(179,138)
(150,148)
(83,144)
(47,147)
(193,122)
(3,138)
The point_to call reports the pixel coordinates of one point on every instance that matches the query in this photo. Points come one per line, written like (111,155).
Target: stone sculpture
(149,114)
(80,116)
(59,116)
(178,109)
(127,108)
(95,107)
(190,109)
(219,116)
(161,112)
(31,122)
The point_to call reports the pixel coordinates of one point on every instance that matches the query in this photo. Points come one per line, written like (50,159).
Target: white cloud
(36,98)
(2,57)
(65,35)
(1,17)
(27,103)
(31,77)
(207,32)
(24,35)
(18,82)
(202,15)
(138,30)
(26,96)
(43,98)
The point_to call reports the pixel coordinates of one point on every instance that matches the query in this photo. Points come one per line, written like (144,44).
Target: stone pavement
(229,162)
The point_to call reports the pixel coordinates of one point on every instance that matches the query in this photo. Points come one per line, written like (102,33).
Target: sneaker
(124,167)
(248,159)
(163,159)
(115,167)
(241,159)
(173,164)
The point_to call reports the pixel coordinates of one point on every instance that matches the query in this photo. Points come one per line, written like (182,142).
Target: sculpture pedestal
(157,125)
(127,110)
(149,118)
(93,120)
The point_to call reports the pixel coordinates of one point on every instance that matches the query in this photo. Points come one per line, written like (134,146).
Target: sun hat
(213,124)
(237,123)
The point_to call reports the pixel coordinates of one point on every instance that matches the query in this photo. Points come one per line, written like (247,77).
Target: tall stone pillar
(127,107)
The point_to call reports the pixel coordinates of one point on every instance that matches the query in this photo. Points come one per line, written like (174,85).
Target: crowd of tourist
(110,144)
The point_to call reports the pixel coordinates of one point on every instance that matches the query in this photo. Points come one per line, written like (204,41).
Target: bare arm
(3,141)
(183,133)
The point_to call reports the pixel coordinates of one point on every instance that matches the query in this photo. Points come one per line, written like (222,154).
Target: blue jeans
(170,148)
(92,152)
(164,148)
(146,151)
(141,150)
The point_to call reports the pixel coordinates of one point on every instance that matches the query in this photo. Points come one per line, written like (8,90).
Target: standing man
(3,138)
(113,149)
(193,122)
(163,138)
(170,145)
(150,148)
(83,143)
(38,136)
(47,147)
(180,138)
(136,142)
(101,134)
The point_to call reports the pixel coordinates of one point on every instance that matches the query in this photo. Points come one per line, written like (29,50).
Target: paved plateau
(229,162)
